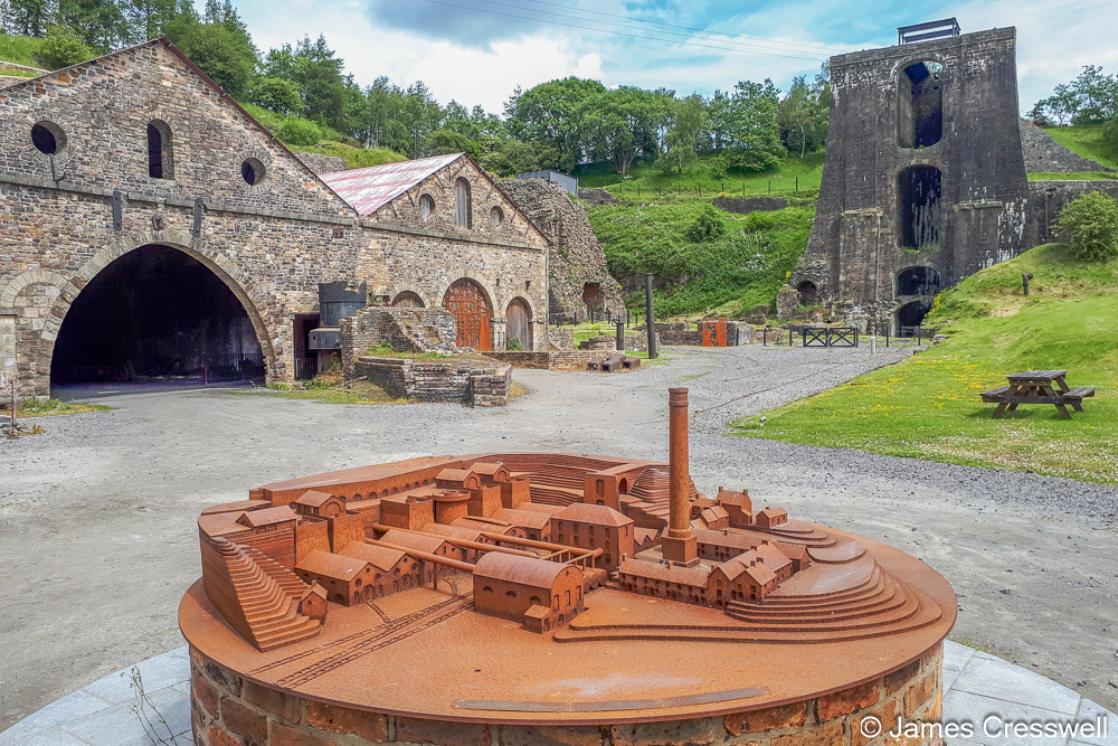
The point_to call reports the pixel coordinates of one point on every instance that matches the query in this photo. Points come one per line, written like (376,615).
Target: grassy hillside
(928,406)
(330,142)
(1089,141)
(22,50)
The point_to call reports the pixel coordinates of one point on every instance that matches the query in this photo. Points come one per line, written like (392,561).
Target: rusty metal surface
(715,607)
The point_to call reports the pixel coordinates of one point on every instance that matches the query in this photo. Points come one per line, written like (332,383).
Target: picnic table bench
(1037,387)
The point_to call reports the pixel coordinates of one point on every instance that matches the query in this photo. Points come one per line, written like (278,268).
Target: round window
(48,138)
(496,217)
(252,171)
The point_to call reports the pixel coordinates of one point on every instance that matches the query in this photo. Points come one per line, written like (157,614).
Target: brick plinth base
(228,710)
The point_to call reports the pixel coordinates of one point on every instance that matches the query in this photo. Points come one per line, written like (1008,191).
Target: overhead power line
(615,31)
(776,43)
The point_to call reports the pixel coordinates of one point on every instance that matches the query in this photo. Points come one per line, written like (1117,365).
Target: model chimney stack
(679,546)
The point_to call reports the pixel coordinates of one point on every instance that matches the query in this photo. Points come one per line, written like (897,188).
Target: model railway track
(364,636)
(379,612)
(398,631)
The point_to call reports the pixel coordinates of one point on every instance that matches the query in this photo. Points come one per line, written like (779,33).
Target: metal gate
(518,324)
(466,300)
(829,337)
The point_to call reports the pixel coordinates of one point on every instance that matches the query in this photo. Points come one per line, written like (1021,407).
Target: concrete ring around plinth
(975,684)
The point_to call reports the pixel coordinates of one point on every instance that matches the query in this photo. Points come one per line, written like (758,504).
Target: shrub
(513,345)
(707,226)
(1090,224)
(62,48)
(299,131)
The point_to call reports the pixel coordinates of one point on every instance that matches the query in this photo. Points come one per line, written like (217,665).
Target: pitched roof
(382,558)
(454,475)
(336,566)
(600,515)
(524,518)
(266,516)
(314,498)
(369,189)
(696,576)
(514,568)
(411,540)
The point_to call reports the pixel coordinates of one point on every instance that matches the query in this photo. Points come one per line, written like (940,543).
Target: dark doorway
(807,293)
(156,313)
(918,194)
(921,105)
(918,281)
(910,316)
(306,360)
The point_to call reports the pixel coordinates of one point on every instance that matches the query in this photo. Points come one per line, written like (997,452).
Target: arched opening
(518,325)
(920,110)
(407,299)
(910,316)
(156,313)
(918,196)
(469,304)
(623,485)
(593,297)
(918,281)
(808,293)
(160,159)
(462,206)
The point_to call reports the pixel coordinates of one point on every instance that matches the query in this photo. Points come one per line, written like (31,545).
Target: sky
(480,51)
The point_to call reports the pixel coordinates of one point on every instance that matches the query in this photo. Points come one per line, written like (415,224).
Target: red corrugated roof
(369,189)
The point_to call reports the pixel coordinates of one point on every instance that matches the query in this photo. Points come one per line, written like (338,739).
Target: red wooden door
(466,300)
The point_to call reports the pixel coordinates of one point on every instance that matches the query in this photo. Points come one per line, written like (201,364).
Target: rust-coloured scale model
(549,589)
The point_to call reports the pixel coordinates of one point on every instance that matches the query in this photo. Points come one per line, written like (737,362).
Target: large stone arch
(37,356)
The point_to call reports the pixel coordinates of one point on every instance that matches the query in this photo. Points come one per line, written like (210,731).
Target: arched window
(462,206)
(160,158)
(496,217)
(426,206)
(918,281)
(807,292)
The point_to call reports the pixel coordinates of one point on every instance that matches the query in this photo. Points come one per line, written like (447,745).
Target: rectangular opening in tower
(921,105)
(919,190)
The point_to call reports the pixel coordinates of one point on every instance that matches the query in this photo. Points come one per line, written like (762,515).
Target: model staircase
(262,597)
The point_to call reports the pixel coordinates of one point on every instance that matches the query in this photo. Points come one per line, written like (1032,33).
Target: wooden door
(466,300)
(518,324)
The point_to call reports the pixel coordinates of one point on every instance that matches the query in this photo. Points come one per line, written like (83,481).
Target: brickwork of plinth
(228,710)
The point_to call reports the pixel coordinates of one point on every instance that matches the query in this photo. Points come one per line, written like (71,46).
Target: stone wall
(1042,153)
(322,164)
(403,329)
(480,383)
(227,708)
(746,205)
(1047,198)
(407,253)
(576,257)
(855,252)
(557,360)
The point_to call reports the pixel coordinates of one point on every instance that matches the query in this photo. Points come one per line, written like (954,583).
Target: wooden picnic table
(1037,387)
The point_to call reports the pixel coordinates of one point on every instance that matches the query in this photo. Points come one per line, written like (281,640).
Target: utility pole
(648,319)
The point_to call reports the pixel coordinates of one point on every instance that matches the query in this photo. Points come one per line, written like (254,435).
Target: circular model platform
(438,599)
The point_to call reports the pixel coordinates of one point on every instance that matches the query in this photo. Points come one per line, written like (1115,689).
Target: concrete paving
(97,516)
(110,712)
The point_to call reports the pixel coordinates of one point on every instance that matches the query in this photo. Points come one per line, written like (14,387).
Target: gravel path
(97,515)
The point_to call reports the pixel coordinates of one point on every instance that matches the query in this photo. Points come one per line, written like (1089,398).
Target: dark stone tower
(924,180)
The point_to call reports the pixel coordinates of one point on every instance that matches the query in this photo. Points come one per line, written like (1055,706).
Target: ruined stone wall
(403,329)
(407,253)
(479,383)
(1047,198)
(855,252)
(270,243)
(1042,153)
(576,257)
(227,708)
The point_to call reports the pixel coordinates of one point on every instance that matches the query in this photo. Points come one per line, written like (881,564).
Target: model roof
(266,516)
(453,475)
(455,532)
(380,557)
(411,540)
(489,468)
(514,568)
(724,538)
(601,515)
(328,565)
(369,189)
(313,498)
(526,518)
(693,576)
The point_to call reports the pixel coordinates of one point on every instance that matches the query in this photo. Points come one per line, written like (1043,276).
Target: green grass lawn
(928,406)
(22,50)
(1071,176)
(701,179)
(1089,141)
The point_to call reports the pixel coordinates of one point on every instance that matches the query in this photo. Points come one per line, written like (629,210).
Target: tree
(27,17)
(620,124)
(553,112)
(1090,223)
(752,126)
(688,120)
(101,24)
(803,113)
(219,44)
(277,94)
(63,48)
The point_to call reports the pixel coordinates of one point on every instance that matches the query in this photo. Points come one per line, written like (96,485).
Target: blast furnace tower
(924,180)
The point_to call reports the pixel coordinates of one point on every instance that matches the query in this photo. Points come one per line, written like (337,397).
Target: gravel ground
(97,515)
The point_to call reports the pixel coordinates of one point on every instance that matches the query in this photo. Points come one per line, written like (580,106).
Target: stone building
(924,180)
(580,282)
(152,226)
